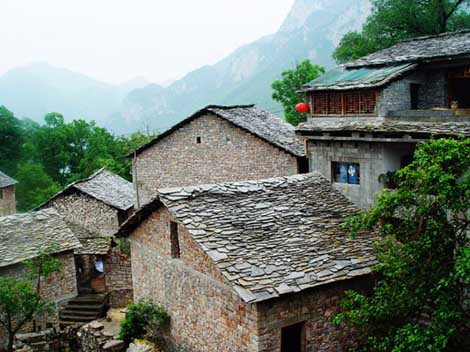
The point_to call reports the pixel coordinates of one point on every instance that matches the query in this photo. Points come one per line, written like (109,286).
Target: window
(344,103)
(198,140)
(175,243)
(1,193)
(349,173)
(292,338)
(414,96)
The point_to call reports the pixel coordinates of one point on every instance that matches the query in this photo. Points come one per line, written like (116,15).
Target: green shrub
(140,318)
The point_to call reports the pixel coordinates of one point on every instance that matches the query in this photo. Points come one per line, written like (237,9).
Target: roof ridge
(430,36)
(229,107)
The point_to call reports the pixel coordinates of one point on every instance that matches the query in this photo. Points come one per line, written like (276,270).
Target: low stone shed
(249,266)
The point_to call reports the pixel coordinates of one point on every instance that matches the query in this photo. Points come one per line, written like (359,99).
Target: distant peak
(300,12)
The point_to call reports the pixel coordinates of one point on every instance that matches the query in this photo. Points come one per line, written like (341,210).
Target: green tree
(10,141)
(286,89)
(21,300)
(34,186)
(423,258)
(395,20)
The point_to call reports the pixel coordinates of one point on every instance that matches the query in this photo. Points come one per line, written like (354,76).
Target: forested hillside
(45,158)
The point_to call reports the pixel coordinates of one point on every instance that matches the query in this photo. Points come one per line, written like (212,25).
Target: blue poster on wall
(343,172)
(353,174)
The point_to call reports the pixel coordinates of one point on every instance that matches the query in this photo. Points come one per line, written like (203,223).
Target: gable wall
(206,315)
(81,209)
(226,153)
(7,202)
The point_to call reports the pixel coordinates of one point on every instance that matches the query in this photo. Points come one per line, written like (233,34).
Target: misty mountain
(36,89)
(312,30)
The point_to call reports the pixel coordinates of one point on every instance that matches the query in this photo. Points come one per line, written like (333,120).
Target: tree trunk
(442,16)
(11,337)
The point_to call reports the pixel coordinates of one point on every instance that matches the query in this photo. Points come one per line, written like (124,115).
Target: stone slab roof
(6,181)
(421,49)
(270,237)
(342,78)
(105,186)
(385,125)
(24,236)
(91,243)
(260,123)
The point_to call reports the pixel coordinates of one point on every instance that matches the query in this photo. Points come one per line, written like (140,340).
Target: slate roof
(421,49)
(105,186)
(270,237)
(261,123)
(385,125)
(23,236)
(92,243)
(341,78)
(6,181)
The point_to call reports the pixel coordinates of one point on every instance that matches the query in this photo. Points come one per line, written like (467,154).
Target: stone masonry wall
(117,268)
(88,212)
(59,287)
(315,308)
(7,201)
(206,315)
(374,159)
(225,153)
(432,92)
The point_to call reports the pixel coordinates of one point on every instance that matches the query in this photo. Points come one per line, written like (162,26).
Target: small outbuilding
(94,208)
(249,266)
(7,195)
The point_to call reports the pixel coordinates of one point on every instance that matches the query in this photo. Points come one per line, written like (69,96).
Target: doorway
(292,338)
(459,90)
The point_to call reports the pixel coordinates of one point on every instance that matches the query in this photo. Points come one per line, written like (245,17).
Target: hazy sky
(116,40)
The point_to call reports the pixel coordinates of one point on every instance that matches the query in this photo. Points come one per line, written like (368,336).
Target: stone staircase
(84,308)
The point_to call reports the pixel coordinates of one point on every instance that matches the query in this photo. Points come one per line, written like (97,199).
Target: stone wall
(374,159)
(7,201)
(206,315)
(59,287)
(103,220)
(432,92)
(117,268)
(315,309)
(225,153)
(88,212)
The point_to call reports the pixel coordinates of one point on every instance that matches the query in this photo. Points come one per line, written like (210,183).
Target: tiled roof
(6,181)
(24,236)
(341,78)
(273,236)
(385,125)
(421,49)
(92,243)
(262,124)
(104,186)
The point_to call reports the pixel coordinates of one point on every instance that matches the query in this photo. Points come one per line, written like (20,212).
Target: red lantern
(302,108)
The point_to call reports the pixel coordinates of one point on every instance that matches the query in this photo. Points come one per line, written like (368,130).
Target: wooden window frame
(343,94)
(174,240)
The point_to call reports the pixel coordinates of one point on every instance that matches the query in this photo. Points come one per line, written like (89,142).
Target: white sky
(116,40)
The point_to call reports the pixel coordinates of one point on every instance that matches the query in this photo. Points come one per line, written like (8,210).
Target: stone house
(219,144)
(24,236)
(253,266)
(94,208)
(367,116)
(7,195)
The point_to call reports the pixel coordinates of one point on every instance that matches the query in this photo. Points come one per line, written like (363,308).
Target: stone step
(76,319)
(94,313)
(84,307)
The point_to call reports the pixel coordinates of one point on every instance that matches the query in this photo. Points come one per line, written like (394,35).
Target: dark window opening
(292,338)
(406,160)
(1,193)
(175,243)
(198,140)
(303,165)
(414,96)
(459,91)
(349,173)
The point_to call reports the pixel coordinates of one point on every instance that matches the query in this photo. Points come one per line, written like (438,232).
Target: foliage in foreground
(21,300)
(286,89)
(423,258)
(395,20)
(144,319)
